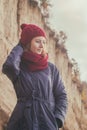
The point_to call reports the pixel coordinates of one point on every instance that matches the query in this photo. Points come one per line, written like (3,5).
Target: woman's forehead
(40,38)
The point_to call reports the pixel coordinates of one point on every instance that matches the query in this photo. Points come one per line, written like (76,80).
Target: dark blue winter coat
(41,96)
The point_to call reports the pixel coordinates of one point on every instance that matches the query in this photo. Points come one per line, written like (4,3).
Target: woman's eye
(44,42)
(38,41)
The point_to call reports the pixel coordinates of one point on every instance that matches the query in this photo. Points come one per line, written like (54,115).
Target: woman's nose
(41,45)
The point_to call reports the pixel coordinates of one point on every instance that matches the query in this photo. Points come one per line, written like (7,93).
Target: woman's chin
(38,52)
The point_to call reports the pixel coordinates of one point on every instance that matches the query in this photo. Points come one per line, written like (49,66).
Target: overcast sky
(71,17)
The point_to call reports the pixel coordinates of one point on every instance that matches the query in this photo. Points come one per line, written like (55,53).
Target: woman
(41,97)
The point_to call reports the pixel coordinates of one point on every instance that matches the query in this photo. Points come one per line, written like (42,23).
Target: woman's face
(38,44)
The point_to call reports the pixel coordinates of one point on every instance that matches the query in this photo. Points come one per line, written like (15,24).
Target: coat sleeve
(60,99)
(11,67)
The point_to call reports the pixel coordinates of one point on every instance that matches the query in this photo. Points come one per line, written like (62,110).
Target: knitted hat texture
(29,31)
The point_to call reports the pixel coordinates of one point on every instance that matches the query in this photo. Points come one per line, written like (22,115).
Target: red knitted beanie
(29,31)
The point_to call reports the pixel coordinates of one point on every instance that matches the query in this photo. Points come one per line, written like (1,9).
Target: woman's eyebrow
(41,40)
(37,39)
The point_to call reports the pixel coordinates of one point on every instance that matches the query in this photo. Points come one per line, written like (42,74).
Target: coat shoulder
(52,66)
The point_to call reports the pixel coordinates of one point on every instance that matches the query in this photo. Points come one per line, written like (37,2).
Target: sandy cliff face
(12,14)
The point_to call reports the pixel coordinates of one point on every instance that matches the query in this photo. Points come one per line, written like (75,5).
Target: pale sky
(71,17)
